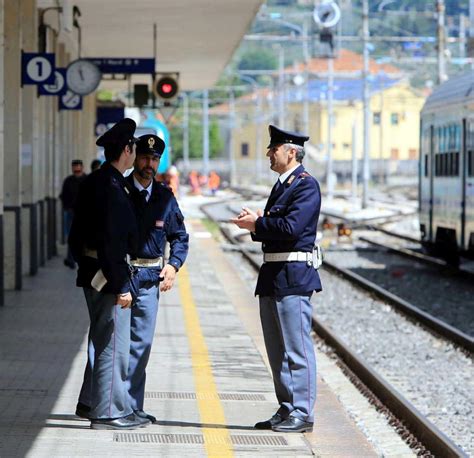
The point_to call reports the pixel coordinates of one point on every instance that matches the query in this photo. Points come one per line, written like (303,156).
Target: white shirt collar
(283,177)
(139,186)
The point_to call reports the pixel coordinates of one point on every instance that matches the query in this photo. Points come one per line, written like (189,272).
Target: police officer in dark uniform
(159,220)
(103,234)
(287,279)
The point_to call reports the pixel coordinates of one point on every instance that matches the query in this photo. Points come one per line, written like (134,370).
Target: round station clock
(83,76)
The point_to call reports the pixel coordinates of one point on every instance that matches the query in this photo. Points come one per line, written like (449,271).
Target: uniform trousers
(286,325)
(104,386)
(143,324)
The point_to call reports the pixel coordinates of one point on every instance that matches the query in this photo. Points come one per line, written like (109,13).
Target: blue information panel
(59,87)
(125,65)
(37,68)
(70,101)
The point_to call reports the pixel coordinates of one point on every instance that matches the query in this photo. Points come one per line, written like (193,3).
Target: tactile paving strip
(192,396)
(193,439)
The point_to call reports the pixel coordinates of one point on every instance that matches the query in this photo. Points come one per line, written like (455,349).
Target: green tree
(216,143)
(258,59)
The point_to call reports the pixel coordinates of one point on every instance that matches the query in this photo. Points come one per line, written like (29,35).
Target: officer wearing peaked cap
(159,221)
(287,279)
(103,234)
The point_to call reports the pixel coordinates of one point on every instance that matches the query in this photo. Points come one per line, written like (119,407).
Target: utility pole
(366,104)
(381,145)
(470,46)
(186,131)
(441,37)
(329,172)
(471,18)
(462,37)
(232,173)
(354,160)
(258,143)
(281,88)
(306,79)
(205,132)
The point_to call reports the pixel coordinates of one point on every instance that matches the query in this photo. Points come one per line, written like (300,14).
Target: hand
(247,218)
(168,274)
(124,300)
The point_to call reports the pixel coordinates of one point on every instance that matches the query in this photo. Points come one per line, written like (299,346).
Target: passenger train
(446,172)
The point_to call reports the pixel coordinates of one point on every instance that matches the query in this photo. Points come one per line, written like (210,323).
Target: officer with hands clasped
(159,220)
(103,235)
(287,279)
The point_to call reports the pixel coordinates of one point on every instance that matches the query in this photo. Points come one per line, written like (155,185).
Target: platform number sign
(70,101)
(59,86)
(37,68)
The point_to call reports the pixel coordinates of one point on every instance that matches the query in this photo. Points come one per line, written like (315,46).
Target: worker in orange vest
(213,182)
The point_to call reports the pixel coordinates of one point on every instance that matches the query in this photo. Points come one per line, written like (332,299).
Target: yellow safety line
(217,440)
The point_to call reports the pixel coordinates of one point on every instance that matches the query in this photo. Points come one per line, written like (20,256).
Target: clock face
(83,76)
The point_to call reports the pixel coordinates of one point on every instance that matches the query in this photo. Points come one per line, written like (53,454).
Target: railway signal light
(166,86)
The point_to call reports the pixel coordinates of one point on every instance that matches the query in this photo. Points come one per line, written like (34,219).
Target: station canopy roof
(194,37)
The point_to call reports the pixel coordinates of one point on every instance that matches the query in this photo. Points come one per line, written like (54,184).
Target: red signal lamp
(166,87)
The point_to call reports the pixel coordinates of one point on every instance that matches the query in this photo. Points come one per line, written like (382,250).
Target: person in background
(68,196)
(95,165)
(172,179)
(213,182)
(194,182)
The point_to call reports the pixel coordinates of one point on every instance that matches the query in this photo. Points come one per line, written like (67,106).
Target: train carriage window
(426,165)
(470,147)
(456,164)
(457,145)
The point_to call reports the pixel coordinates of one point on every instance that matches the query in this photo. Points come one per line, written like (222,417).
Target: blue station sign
(70,101)
(124,65)
(37,68)
(59,87)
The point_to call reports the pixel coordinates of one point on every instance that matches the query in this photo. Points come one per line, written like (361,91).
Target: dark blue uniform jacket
(289,224)
(159,220)
(104,220)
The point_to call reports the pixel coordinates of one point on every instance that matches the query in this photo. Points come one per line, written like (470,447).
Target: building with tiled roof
(394,127)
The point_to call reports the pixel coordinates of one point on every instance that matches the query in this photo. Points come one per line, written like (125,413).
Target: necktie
(143,195)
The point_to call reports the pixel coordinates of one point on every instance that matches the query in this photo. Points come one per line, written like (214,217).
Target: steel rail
(432,323)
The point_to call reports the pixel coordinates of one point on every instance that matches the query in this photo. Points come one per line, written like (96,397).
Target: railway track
(414,427)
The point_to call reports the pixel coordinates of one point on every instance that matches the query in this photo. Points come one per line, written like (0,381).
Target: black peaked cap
(279,137)
(121,133)
(150,144)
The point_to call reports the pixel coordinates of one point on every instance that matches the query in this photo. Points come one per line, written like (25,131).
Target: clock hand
(81,74)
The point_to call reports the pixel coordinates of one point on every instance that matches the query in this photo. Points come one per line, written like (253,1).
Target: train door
(463,181)
(431,172)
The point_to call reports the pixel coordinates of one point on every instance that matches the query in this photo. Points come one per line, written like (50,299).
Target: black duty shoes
(129,422)
(268,424)
(143,414)
(83,411)
(293,425)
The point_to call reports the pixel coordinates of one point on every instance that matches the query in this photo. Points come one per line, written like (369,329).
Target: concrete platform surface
(207,381)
